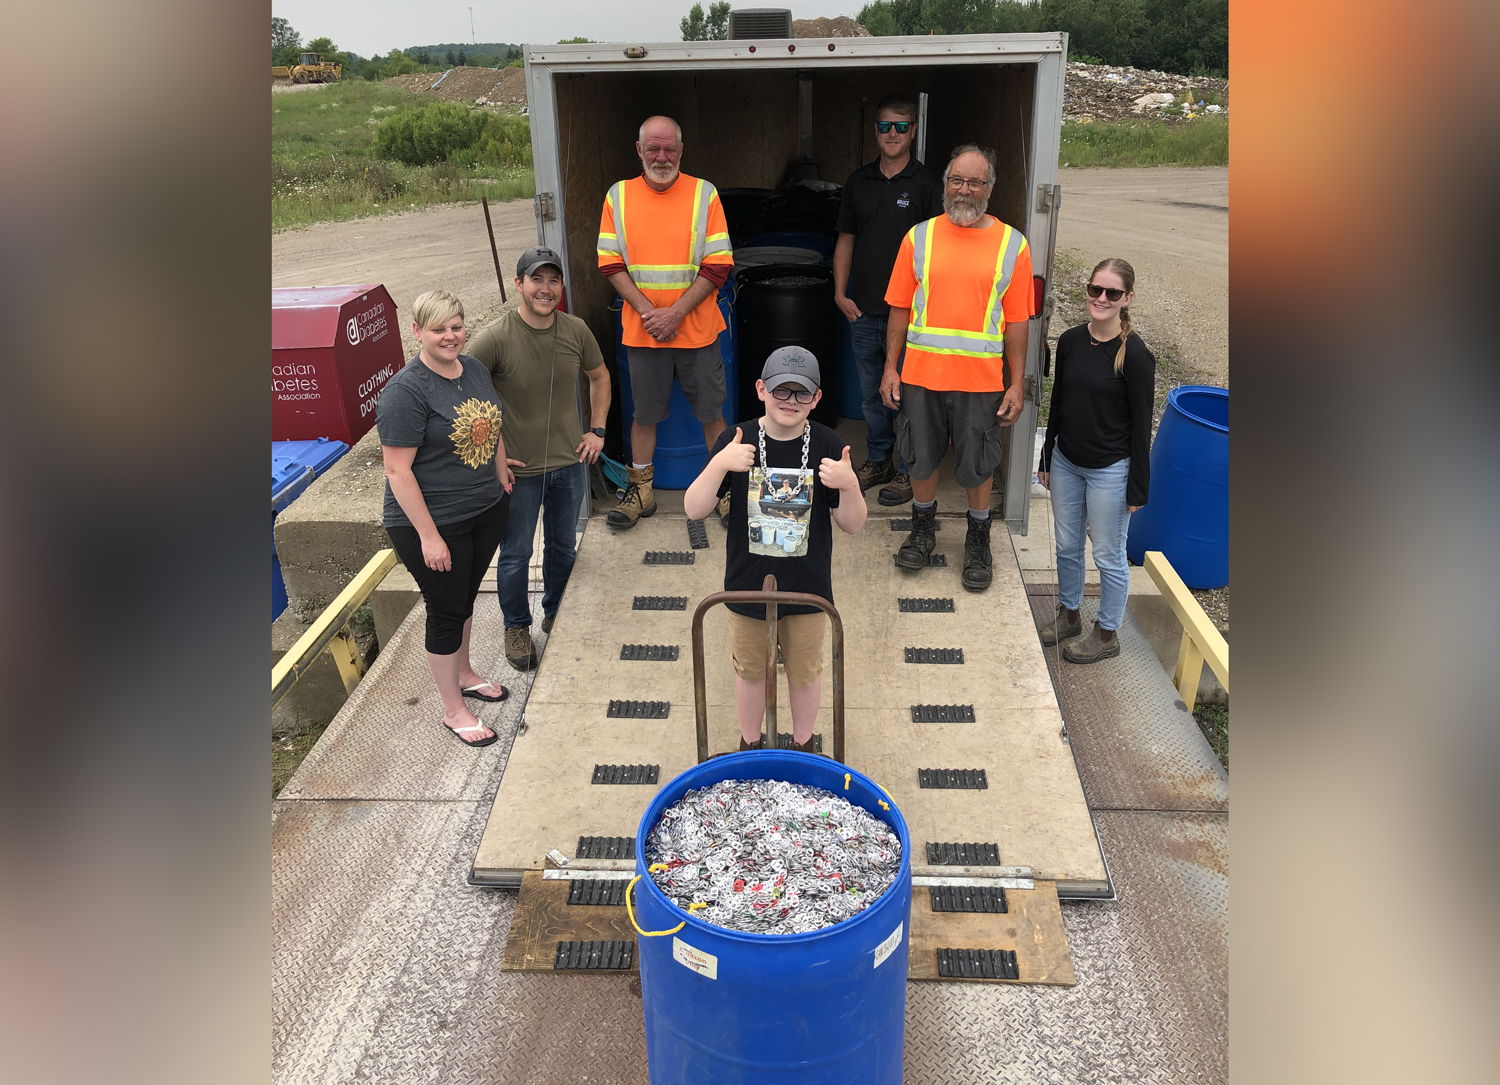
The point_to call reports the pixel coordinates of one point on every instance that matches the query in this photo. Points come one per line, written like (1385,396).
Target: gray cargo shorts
(930,420)
(700,371)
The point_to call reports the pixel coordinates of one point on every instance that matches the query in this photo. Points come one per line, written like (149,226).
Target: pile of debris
(483,86)
(1102,92)
(839,27)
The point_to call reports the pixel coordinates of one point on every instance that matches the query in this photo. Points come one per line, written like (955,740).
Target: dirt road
(1172,224)
(445,247)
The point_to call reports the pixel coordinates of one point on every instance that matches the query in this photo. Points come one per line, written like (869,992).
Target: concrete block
(319,694)
(1164,632)
(328,534)
(392,601)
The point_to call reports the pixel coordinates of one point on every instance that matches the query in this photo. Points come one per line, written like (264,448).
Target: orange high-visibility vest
(663,238)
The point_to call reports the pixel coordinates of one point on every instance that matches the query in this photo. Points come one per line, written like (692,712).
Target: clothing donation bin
(294,466)
(332,350)
(728,1007)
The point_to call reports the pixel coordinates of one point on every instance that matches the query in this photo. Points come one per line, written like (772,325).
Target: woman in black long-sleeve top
(1096,460)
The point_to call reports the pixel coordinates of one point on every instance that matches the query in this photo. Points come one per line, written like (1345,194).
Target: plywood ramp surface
(1034,807)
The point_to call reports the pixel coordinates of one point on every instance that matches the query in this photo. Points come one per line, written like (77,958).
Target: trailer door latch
(545,204)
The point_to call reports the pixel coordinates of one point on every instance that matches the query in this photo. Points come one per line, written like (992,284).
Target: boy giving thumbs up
(787,477)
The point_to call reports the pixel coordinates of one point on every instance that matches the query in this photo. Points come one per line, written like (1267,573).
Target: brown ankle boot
(804,747)
(638,500)
(757,744)
(1064,624)
(1092,648)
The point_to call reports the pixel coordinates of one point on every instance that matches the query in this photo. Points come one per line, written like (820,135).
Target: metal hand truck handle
(770,597)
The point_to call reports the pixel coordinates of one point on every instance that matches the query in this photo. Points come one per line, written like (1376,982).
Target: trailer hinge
(1047,197)
(546,206)
(1030,386)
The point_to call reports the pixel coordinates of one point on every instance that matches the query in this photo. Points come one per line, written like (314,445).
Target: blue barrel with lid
(729,1007)
(1186,515)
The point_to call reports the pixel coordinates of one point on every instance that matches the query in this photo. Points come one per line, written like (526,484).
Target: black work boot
(977,572)
(920,543)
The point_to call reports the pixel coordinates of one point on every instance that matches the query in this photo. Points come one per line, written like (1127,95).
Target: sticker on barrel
(705,964)
(886,948)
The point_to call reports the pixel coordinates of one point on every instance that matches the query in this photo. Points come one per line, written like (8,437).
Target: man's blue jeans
(1093,499)
(556,495)
(868,336)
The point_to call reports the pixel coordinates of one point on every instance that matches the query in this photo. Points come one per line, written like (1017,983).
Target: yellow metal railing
(1201,642)
(331,631)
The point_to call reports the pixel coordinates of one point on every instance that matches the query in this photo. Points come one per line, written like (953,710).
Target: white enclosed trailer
(750,108)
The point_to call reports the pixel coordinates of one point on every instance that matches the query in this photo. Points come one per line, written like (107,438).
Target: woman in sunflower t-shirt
(447,495)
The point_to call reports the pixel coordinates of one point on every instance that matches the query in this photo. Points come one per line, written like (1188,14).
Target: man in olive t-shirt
(534,354)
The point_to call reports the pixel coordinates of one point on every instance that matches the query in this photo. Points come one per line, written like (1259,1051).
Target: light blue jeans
(1093,499)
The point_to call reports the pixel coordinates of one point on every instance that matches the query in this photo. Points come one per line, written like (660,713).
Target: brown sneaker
(520,653)
(875,472)
(898,492)
(1061,627)
(723,510)
(638,500)
(1092,648)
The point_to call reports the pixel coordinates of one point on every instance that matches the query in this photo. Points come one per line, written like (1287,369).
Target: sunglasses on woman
(1108,292)
(800,396)
(886,126)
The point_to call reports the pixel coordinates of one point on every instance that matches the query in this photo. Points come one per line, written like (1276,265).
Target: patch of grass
(1203,141)
(1213,721)
(288,748)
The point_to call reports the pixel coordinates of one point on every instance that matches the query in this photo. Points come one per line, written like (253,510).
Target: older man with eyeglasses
(882,200)
(960,297)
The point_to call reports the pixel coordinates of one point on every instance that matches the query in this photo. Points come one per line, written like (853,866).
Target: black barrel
(783,305)
(749,211)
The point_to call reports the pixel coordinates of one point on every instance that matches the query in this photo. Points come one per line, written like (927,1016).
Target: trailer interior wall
(740,131)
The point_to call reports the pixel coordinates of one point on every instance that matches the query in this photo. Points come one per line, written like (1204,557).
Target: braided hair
(1127,276)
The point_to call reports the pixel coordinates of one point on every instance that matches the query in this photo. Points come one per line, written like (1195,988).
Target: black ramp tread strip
(638,710)
(669,557)
(962,898)
(609,892)
(612,956)
(905,525)
(934,561)
(605,847)
(942,713)
(925,606)
(697,535)
(987,964)
(659,602)
(934,655)
(953,779)
(626,774)
(963,854)
(659,653)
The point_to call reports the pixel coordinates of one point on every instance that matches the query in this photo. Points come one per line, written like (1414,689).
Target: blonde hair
(1127,276)
(435,307)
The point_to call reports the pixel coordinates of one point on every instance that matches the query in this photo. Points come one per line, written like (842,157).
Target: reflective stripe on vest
(973,344)
(664,276)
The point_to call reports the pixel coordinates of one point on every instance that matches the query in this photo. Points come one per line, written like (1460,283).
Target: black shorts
(930,420)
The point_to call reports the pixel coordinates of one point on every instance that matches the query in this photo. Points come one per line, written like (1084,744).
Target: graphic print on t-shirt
(779,508)
(476,429)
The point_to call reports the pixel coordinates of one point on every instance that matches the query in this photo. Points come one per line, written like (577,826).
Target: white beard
(661,174)
(962,210)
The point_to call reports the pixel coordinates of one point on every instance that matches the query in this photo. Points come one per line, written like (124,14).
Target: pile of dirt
(486,86)
(1102,92)
(840,27)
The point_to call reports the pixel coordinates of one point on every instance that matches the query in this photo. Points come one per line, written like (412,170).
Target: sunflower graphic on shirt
(476,429)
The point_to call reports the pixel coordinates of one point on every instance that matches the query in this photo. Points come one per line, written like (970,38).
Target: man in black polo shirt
(882,201)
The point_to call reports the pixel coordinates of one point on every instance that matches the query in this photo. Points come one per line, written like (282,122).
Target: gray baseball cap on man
(532,259)
(791,364)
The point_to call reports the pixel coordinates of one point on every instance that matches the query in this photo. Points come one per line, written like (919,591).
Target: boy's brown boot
(638,500)
(805,747)
(1064,624)
(756,745)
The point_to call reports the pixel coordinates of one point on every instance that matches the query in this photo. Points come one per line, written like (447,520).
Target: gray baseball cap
(791,364)
(532,259)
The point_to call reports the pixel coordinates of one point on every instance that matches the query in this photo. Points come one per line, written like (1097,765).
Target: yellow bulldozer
(310,69)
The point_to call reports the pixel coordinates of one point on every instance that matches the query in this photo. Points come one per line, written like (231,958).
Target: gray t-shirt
(454,425)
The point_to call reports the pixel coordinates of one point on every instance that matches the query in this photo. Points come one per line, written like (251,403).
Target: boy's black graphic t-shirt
(778,518)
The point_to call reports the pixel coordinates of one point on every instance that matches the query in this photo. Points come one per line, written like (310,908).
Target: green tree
(463,58)
(575,41)
(696,26)
(449,58)
(283,36)
(398,63)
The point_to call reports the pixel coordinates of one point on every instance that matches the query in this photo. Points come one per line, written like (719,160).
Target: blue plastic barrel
(680,451)
(726,1007)
(294,466)
(796,239)
(1187,514)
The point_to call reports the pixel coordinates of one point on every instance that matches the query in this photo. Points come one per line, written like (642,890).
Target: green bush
(449,132)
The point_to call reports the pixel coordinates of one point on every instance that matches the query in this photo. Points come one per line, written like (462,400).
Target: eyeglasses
(964,184)
(1108,292)
(800,396)
(886,126)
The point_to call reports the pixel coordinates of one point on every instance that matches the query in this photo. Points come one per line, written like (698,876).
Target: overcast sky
(371,27)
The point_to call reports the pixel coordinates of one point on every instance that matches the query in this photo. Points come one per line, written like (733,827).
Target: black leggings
(450,596)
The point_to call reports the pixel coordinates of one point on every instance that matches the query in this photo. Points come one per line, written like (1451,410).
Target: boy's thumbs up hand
(736,455)
(838,474)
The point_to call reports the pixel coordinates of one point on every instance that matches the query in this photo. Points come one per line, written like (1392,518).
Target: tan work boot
(638,500)
(875,472)
(1099,644)
(520,652)
(897,492)
(1064,624)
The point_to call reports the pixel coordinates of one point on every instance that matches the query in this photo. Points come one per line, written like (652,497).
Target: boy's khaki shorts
(801,640)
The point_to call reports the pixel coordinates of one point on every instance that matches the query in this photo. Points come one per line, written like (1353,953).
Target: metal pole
(768,587)
(485,203)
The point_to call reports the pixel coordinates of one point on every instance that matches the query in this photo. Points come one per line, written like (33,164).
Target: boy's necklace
(806,440)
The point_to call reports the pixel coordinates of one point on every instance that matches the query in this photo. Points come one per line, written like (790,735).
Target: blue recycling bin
(294,466)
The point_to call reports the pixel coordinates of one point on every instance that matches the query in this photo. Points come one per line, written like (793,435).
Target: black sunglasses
(1108,292)
(801,396)
(886,126)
